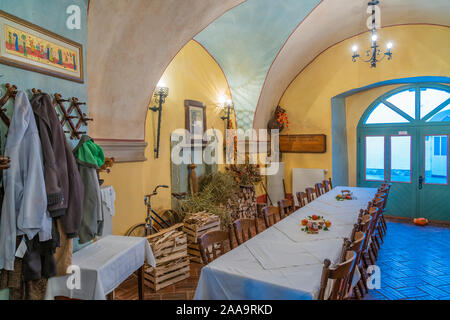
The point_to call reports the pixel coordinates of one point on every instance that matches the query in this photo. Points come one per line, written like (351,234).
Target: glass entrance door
(433,183)
(403,138)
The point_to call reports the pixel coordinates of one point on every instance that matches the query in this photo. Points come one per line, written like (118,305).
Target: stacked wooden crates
(196,225)
(169,248)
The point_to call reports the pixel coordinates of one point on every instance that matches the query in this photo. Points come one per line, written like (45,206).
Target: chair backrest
(356,246)
(326,185)
(384,196)
(243,229)
(270,215)
(310,194)
(213,244)
(285,207)
(320,189)
(331,184)
(339,274)
(302,199)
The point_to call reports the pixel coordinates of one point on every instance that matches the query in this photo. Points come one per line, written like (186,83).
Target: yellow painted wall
(419,50)
(192,75)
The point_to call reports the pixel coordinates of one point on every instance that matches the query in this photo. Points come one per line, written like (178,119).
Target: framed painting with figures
(195,113)
(27,46)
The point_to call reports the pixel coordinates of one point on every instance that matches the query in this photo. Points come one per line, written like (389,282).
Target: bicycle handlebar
(154,193)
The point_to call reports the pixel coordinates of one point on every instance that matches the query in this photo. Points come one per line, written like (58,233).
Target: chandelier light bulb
(355,48)
(389,45)
(374,37)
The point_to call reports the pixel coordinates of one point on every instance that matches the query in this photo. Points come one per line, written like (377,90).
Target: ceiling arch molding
(131,43)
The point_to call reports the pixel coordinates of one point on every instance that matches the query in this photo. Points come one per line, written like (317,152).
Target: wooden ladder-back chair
(339,273)
(310,194)
(384,196)
(379,203)
(302,199)
(372,250)
(285,207)
(326,185)
(320,190)
(356,246)
(213,244)
(243,229)
(331,184)
(270,214)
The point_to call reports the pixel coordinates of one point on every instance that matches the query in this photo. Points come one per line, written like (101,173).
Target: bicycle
(154,222)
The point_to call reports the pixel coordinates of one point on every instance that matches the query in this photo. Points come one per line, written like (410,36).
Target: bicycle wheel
(138,230)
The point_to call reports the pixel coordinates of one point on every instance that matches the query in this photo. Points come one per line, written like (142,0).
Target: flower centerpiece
(345,195)
(313,224)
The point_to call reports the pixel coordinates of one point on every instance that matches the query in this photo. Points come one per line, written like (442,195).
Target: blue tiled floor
(414,263)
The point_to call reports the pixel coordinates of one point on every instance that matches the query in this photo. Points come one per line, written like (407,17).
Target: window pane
(384,114)
(431,99)
(436,161)
(375,158)
(444,146)
(401,159)
(437,146)
(443,115)
(405,101)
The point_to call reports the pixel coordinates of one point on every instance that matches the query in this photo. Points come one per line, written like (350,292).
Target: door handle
(420,183)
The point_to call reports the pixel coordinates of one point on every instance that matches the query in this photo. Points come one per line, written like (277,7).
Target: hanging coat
(90,157)
(62,179)
(24,209)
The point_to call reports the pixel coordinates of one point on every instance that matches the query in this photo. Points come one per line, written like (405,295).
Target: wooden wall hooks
(11,91)
(109,162)
(68,118)
(4,163)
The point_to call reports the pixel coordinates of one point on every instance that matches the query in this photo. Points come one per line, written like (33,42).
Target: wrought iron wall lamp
(160,96)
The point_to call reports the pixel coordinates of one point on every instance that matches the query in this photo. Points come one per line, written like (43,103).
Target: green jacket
(90,157)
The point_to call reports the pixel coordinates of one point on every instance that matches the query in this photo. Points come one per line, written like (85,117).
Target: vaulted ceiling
(260,44)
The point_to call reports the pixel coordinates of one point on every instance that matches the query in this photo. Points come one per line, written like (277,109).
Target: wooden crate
(195,225)
(169,248)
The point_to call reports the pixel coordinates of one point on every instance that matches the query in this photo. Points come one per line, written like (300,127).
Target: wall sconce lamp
(160,95)
(228,104)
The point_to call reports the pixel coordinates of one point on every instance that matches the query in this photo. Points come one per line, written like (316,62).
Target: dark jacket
(89,157)
(62,179)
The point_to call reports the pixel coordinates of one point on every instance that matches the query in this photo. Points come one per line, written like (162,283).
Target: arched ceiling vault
(260,44)
(130,44)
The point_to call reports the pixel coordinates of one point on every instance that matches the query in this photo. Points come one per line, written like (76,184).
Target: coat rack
(68,118)
(11,91)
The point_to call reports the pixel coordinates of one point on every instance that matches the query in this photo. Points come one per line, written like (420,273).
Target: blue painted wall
(50,15)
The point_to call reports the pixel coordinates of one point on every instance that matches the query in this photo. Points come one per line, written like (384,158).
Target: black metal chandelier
(374,52)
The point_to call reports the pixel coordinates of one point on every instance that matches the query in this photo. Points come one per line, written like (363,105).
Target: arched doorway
(403,137)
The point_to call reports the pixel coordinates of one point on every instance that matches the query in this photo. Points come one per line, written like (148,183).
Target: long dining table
(283,262)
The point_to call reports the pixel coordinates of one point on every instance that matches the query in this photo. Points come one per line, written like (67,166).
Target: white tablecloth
(104,265)
(284,262)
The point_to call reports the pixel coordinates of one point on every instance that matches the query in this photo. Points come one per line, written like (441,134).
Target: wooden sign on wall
(303,143)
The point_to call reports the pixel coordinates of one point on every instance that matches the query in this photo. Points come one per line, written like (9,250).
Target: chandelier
(374,52)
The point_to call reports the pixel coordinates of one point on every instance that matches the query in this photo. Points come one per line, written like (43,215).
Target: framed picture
(28,46)
(195,112)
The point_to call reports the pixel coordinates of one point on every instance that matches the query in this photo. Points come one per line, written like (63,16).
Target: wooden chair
(302,199)
(310,194)
(320,189)
(285,207)
(326,185)
(356,245)
(270,215)
(243,229)
(339,274)
(213,244)
(331,184)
